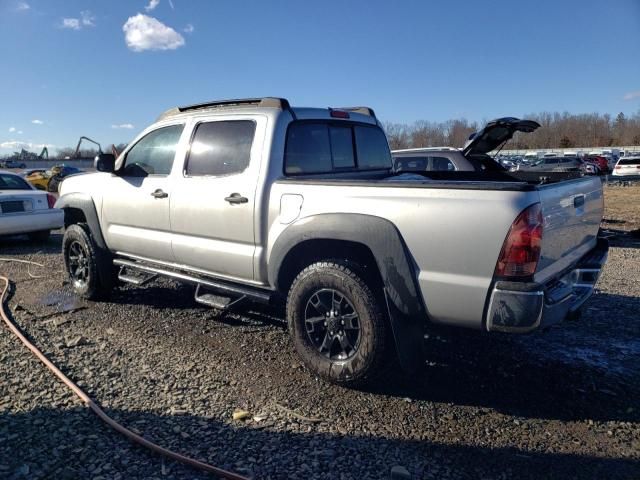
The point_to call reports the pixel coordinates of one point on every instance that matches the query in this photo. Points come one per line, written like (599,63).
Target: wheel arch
(368,238)
(80,208)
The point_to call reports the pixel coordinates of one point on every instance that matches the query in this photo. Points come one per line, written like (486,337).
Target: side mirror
(105,162)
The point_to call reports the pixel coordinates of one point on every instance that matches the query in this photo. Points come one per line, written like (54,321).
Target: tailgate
(572,213)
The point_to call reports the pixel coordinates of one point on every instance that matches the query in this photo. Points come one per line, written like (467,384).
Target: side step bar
(217,301)
(231,291)
(138,280)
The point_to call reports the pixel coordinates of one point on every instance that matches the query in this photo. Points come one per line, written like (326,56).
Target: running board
(228,289)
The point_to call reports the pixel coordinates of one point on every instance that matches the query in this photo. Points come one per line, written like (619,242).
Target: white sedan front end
(25,210)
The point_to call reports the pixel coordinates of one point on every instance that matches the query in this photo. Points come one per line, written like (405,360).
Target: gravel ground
(557,404)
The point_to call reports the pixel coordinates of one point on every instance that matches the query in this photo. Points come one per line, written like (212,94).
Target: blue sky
(106,69)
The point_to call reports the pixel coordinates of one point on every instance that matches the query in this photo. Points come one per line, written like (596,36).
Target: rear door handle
(159,193)
(236,198)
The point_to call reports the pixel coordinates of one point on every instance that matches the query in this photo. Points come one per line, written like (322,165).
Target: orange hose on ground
(96,408)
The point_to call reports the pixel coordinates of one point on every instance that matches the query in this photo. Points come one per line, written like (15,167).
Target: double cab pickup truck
(254,200)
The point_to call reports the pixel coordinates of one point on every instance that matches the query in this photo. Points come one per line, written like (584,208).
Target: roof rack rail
(269,102)
(362,110)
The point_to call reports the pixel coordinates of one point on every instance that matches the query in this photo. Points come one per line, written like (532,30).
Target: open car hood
(495,133)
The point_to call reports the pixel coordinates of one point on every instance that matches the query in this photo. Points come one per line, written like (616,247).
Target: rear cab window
(314,147)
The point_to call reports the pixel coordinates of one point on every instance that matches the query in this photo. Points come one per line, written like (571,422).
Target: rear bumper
(14,224)
(524,307)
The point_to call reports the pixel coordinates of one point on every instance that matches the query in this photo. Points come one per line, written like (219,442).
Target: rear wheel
(82,263)
(337,324)
(40,236)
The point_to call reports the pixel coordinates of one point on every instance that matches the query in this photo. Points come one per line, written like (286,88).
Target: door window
(154,153)
(220,148)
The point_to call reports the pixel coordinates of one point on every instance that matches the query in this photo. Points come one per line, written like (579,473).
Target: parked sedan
(627,166)
(23,209)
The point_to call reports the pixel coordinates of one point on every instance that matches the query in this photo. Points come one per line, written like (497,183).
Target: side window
(308,148)
(372,147)
(411,164)
(221,148)
(154,153)
(441,164)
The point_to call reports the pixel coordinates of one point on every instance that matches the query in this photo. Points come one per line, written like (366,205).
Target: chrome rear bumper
(524,307)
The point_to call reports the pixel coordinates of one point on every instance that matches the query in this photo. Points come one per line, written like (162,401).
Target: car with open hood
(473,157)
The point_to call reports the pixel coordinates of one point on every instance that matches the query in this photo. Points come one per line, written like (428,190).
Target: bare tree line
(558,130)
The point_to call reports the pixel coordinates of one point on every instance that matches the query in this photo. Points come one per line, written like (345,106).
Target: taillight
(618,167)
(339,114)
(51,200)
(521,249)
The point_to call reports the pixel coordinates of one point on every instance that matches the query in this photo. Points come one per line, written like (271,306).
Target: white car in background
(627,166)
(25,210)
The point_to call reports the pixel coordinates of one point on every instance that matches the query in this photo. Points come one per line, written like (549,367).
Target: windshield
(12,182)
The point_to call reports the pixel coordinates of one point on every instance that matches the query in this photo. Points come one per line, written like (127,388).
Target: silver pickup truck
(253,200)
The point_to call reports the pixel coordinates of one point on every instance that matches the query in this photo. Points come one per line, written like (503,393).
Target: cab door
(213,203)
(135,209)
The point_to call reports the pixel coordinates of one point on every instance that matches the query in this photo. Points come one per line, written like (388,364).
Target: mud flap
(408,336)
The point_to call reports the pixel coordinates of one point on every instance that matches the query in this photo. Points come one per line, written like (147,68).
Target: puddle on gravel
(63,301)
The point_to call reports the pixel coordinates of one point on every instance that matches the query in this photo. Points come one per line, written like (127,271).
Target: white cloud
(632,95)
(19,132)
(23,7)
(17,145)
(72,23)
(37,122)
(128,126)
(152,4)
(147,33)
(12,129)
(189,28)
(87,19)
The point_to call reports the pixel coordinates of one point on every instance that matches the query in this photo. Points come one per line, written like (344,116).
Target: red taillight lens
(51,200)
(339,114)
(521,249)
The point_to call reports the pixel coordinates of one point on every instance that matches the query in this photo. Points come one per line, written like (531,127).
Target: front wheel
(82,264)
(337,324)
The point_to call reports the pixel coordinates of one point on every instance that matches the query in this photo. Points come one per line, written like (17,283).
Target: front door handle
(236,198)
(159,193)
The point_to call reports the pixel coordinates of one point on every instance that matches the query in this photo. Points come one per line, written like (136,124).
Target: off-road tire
(373,350)
(91,287)
(41,236)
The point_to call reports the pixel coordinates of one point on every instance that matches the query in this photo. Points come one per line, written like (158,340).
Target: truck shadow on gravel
(574,371)
(66,444)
